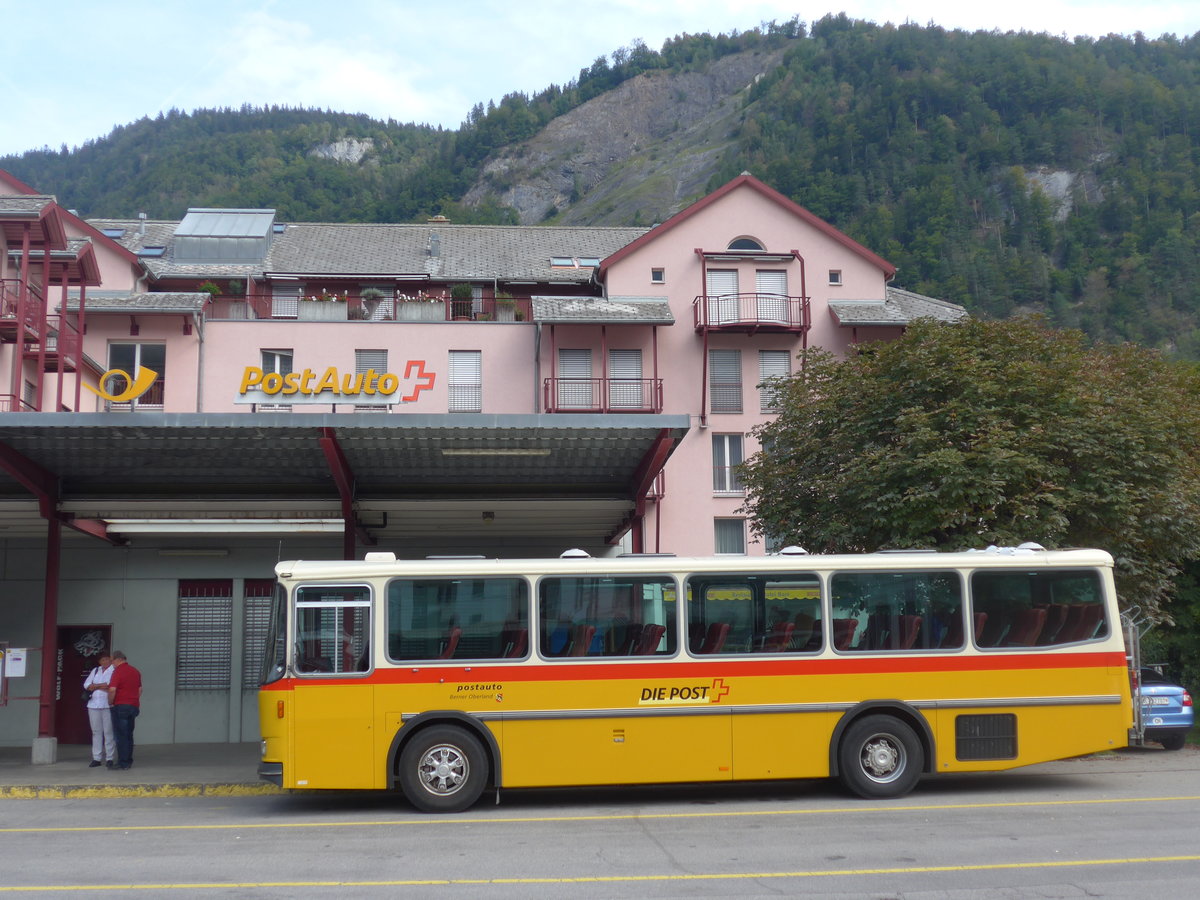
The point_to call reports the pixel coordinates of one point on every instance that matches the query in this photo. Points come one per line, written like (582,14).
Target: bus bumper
(272,772)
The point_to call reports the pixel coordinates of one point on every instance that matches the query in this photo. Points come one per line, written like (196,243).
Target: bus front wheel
(880,756)
(443,769)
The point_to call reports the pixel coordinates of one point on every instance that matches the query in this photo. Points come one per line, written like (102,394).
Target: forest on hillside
(925,144)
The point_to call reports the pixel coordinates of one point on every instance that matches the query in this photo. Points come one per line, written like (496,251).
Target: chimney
(142,224)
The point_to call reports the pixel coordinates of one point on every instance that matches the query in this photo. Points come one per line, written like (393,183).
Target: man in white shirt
(104,745)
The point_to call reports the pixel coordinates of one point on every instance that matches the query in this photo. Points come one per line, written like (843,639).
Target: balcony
(10,289)
(12,403)
(485,309)
(750,313)
(64,345)
(603,395)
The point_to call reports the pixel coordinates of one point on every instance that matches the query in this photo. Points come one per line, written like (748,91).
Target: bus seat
(1081,626)
(514,641)
(1072,628)
(648,642)
(629,641)
(559,641)
(581,641)
(952,635)
(802,636)
(714,640)
(450,643)
(843,632)
(1027,626)
(910,627)
(994,630)
(1056,617)
(778,640)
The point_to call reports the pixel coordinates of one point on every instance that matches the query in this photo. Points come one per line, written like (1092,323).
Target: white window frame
(728,451)
(730,524)
(365,360)
(835,277)
(658,275)
(464,381)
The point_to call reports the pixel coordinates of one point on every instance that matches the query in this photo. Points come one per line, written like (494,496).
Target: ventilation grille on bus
(986,737)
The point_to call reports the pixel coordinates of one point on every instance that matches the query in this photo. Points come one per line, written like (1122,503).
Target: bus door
(333,717)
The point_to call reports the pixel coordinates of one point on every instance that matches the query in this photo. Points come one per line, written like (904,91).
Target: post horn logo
(134,387)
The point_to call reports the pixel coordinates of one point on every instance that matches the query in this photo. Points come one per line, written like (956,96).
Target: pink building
(432,388)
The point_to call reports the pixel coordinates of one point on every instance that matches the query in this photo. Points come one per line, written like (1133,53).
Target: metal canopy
(187,465)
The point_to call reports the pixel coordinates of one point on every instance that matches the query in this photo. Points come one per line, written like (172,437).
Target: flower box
(322,311)
(421,312)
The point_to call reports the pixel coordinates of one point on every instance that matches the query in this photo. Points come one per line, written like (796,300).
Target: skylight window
(574,262)
(113,232)
(152,252)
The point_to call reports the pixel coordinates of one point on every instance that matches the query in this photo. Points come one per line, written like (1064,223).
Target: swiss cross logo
(719,690)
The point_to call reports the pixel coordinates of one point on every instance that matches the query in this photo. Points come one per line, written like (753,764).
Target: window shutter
(722,288)
(285,301)
(725,380)
(575,379)
(772,364)
(204,645)
(625,379)
(257,595)
(770,286)
(465,387)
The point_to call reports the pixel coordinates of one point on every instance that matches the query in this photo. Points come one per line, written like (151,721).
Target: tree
(965,435)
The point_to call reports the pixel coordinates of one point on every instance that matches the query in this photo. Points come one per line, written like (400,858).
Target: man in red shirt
(124,695)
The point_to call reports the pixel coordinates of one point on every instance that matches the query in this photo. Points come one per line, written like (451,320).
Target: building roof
(251,223)
(899,307)
(144,302)
(444,252)
(602,310)
(749,182)
(186,466)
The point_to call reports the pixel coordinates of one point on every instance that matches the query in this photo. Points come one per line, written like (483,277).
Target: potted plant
(506,307)
(462,301)
(211,288)
(369,303)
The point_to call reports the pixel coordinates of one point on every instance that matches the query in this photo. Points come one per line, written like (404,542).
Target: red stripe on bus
(434,674)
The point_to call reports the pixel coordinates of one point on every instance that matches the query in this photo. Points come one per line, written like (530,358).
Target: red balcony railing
(64,345)
(10,290)
(603,395)
(751,312)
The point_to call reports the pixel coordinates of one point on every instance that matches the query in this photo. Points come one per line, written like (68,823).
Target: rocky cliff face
(636,154)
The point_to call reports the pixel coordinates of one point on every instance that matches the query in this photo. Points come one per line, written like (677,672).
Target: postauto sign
(310,386)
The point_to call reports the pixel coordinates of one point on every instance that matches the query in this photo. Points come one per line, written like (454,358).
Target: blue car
(1167,713)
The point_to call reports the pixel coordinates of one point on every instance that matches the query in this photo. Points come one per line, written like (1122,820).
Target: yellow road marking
(612,817)
(610,879)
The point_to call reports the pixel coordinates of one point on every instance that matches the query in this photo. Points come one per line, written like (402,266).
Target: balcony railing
(603,395)
(12,403)
(64,345)
(10,290)
(751,312)
(485,309)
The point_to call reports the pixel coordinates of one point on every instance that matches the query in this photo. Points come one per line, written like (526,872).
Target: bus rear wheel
(443,769)
(880,756)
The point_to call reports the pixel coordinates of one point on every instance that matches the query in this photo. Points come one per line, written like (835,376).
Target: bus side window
(896,611)
(1038,608)
(606,616)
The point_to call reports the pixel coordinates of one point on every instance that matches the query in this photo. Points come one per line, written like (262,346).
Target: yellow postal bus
(444,677)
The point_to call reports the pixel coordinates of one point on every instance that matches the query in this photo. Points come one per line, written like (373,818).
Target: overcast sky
(72,70)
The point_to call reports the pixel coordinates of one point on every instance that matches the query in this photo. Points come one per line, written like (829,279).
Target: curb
(111,791)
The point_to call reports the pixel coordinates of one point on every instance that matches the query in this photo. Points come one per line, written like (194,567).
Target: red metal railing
(13,403)
(10,289)
(739,311)
(603,395)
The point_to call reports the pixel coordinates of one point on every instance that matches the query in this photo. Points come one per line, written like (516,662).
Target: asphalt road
(1121,825)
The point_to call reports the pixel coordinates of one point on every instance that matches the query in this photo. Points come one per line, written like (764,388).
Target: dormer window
(745,243)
